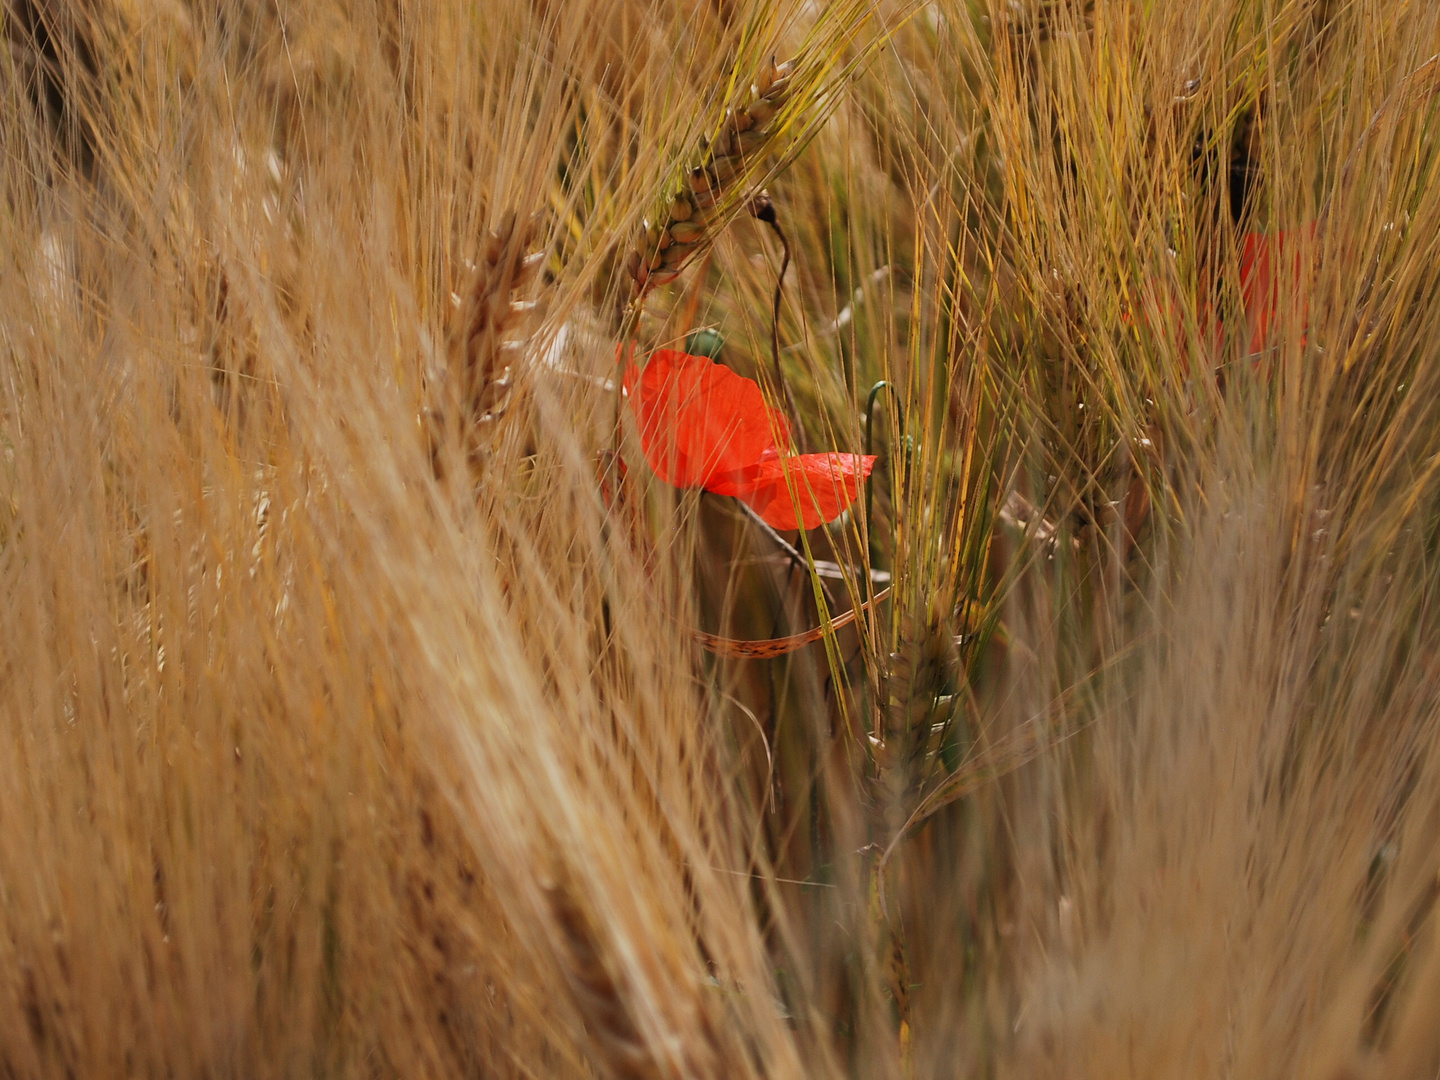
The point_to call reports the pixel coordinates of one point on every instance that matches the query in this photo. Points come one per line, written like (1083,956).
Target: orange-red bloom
(701,425)
(1269,267)
(1270,270)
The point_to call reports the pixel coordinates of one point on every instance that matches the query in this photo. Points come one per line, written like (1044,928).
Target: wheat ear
(619,1050)
(486,338)
(663,247)
(916,708)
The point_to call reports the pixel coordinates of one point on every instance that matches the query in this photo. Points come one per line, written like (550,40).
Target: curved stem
(764,210)
(870,442)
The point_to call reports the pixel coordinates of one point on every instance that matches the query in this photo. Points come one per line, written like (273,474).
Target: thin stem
(764,209)
(784,545)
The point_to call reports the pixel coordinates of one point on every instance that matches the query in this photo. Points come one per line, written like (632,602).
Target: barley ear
(916,697)
(488,330)
(613,1036)
(606,1001)
(690,220)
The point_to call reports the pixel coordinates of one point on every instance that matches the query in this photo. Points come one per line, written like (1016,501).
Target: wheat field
(371,707)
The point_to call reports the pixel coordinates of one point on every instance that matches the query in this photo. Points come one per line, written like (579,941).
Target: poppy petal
(825,485)
(1266,279)
(697,418)
(702,425)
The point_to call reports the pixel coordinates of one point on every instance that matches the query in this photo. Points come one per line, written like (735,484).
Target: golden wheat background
(351,719)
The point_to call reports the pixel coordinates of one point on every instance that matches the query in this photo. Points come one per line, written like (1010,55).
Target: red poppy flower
(701,425)
(1269,269)
(1264,276)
